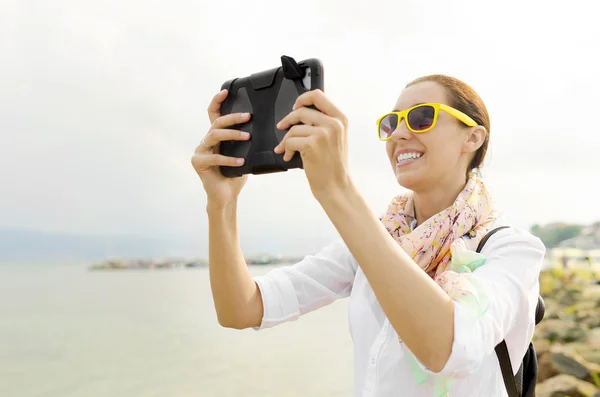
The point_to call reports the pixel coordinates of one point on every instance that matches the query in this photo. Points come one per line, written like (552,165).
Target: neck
(430,202)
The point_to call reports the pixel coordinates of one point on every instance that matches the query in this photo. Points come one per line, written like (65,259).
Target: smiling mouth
(406,158)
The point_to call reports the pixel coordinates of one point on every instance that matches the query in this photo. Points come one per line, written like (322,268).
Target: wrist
(219,207)
(334,194)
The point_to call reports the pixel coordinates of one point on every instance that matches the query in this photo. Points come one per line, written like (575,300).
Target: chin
(411,174)
(408,180)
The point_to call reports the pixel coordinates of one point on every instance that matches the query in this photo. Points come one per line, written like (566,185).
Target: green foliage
(553,234)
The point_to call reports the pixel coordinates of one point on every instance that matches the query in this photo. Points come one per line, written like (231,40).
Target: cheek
(389,148)
(446,154)
(441,152)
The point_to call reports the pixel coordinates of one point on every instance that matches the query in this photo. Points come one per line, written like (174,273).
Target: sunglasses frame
(436,110)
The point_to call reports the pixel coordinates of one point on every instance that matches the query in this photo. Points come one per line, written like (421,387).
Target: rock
(590,350)
(590,319)
(567,341)
(591,356)
(555,330)
(570,295)
(565,386)
(541,346)
(564,359)
(545,369)
(593,339)
(591,293)
(566,364)
(552,309)
(542,350)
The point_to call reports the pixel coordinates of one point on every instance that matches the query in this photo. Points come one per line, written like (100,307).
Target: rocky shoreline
(147,264)
(153,264)
(567,341)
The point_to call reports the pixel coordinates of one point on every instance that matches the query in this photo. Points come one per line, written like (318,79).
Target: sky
(103,103)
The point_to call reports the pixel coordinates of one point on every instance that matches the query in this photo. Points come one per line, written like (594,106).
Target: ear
(475,138)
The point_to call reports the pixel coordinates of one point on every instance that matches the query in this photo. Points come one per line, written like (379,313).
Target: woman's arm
(418,309)
(283,294)
(237,299)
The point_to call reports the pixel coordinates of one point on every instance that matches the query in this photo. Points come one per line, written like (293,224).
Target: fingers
(204,161)
(219,121)
(214,109)
(204,158)
(230,119)
(297,131)
(216,136)
(321,102)
(295,144)
(305,116)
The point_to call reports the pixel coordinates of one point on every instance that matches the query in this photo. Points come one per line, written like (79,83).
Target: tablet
(268,96)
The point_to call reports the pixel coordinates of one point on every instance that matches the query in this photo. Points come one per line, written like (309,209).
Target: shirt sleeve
(510,279)
(318,280)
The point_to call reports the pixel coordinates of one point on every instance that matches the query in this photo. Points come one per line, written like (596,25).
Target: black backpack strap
(488,235)
(506,368)
(502,349)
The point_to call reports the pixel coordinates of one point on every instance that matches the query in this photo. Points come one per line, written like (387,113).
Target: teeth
(408,156)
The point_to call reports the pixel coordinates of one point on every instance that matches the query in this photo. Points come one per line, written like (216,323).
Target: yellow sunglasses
(419,119)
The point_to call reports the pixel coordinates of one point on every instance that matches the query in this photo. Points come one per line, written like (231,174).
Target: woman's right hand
(206,159)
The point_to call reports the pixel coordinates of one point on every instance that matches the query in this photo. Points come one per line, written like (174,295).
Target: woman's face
(438,156)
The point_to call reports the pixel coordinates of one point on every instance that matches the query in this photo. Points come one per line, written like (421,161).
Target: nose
(401,132)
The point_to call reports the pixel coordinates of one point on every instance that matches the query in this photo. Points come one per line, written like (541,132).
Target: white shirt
(514,261)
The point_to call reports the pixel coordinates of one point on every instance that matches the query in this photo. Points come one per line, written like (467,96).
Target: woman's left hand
(321,140)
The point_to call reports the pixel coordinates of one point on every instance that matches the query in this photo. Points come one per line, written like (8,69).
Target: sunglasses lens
(421,118)
(388,126)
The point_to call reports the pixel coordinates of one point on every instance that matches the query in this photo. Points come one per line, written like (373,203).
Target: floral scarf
(444,246)
(432,243)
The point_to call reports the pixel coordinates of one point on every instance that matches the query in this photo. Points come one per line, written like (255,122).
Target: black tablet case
(268,96)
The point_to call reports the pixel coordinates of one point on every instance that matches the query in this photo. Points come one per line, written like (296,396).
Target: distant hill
(572,235)
(31,246)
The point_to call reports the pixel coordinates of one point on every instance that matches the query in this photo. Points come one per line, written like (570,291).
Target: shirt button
(372,361)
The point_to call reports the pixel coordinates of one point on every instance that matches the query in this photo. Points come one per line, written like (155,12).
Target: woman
(425,310)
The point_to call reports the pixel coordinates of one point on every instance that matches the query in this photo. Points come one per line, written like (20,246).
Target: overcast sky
(102,104)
